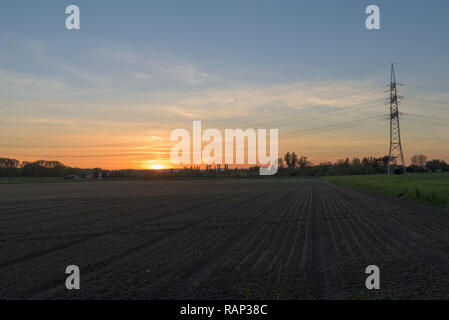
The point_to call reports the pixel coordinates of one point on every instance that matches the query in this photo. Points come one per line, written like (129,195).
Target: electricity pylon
(396,156)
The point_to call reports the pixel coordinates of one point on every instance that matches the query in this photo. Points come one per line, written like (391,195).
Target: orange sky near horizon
(153,152)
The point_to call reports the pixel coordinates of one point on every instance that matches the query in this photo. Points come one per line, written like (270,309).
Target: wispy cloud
(153,65)
(23,83)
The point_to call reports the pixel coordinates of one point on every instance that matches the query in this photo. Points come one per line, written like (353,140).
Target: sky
(108,95)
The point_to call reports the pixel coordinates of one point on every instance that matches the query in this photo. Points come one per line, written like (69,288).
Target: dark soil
(224,239)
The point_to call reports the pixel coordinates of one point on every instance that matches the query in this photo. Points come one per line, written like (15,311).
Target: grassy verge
(427,188)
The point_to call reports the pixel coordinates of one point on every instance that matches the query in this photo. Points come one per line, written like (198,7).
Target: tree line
(290,165)
(40,168)
(419,163)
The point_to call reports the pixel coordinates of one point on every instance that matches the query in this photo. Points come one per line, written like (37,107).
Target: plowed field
(206,239)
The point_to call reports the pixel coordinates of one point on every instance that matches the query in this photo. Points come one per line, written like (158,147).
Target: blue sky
(292,39)
(139,68)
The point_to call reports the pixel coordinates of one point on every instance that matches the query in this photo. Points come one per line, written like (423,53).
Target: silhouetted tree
(419,160)
(303,162)
(293,159)
(281,163)
(9,167)
(436,165)
(43,168)
(288,160)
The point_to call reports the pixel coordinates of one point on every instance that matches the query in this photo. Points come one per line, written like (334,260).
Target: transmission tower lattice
(396,156)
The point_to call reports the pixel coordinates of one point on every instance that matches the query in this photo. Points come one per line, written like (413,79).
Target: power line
(345,124)
(439,118)
(427,121)
(276,113)
(426,88)
(305,118)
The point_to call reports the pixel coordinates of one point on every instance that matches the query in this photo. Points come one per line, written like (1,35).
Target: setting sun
(156,166)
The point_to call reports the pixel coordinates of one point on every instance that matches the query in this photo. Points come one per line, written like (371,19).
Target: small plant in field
(391,294)
(252,291)
(263,291)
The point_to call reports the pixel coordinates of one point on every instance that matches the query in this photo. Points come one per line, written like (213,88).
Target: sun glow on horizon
(156,166)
